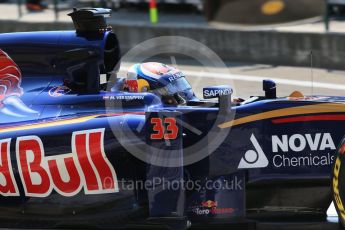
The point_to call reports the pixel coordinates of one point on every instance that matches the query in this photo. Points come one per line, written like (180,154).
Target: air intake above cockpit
(90,20)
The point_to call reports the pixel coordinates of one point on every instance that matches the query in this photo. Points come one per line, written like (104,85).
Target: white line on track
(283,81)
(248,78)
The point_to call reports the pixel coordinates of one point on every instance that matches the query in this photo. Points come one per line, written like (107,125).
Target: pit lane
(246,79)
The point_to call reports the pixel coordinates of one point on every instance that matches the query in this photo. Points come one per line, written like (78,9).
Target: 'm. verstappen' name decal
(124,97)
(87,167)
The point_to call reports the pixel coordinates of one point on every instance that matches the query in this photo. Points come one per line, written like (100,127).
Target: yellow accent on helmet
(143,86)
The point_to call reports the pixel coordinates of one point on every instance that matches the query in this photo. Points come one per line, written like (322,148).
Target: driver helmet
(163,80)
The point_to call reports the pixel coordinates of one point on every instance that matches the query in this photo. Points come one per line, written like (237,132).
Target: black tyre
(338,182)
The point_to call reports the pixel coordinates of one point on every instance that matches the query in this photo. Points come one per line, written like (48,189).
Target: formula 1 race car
(78,152)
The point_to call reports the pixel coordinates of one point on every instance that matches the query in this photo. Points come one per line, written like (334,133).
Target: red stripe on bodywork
(338,117)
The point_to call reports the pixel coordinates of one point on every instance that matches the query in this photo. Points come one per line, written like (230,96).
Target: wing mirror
(270,89)
(223,93)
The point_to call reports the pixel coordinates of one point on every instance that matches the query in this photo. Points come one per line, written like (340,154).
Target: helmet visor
(180,86)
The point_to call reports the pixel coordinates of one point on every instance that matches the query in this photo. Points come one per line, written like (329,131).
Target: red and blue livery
(79,152)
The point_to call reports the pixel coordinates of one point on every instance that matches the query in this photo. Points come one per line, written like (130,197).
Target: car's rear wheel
(338,182)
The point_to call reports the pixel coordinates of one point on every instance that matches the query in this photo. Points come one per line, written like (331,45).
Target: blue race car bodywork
(75,152)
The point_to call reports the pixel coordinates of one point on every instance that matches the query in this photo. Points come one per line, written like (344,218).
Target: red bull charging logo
(209,204)
(10,90)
